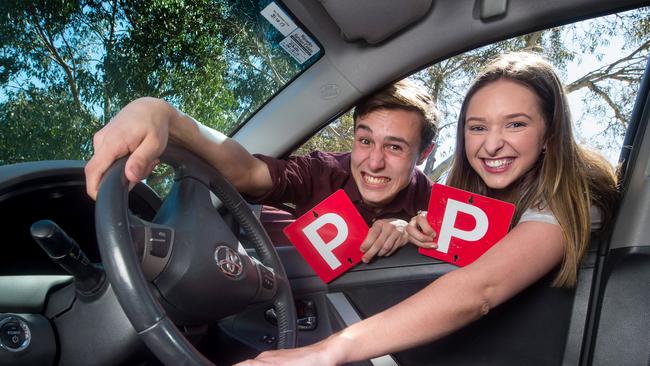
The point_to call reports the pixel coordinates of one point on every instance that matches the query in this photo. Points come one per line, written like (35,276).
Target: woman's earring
(544,150)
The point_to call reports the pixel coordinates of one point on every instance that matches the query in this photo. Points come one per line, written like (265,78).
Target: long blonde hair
(567,178)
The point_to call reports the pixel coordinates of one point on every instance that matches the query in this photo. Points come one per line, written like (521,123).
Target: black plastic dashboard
(36,295)
(53,190)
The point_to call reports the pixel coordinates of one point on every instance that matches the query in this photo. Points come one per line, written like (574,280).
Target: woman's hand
(322,354)
(420,232)
(297,357)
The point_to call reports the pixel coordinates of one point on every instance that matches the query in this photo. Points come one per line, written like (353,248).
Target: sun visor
(374,20)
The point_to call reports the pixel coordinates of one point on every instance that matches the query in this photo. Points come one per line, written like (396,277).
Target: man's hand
(140,129)
(420,232)
(384,238)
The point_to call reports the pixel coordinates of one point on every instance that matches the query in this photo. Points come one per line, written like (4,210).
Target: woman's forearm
(442,307)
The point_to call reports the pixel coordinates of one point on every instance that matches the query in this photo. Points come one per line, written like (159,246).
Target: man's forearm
(248,174)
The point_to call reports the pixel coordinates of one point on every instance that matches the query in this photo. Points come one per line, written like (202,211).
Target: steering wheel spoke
(267,282)
(153,244)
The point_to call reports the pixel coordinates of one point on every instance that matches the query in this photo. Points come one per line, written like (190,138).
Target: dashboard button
(14,334)
(160,242)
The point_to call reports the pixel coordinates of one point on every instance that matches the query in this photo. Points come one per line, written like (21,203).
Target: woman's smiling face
(504,132)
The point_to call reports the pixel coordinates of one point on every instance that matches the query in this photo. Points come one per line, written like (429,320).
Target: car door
(618,329)
(600,321)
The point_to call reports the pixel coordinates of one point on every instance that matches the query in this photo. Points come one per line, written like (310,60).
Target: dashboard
(41,318)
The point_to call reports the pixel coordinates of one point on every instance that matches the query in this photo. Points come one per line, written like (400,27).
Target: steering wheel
(191,267)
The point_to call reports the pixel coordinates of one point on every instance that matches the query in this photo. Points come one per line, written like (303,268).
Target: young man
(394,131)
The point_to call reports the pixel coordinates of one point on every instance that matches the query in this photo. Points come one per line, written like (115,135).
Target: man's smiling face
(385,152)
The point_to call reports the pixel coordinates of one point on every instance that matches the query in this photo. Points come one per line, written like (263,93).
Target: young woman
(515,143)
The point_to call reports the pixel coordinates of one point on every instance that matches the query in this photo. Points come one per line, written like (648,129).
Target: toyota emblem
(228,261)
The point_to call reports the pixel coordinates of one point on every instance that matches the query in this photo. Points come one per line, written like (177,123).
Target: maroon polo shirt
(304,181)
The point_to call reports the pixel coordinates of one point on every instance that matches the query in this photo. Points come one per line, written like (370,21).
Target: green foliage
(173,50)
(67,66)
(35,124)
(255,56)
(336,136)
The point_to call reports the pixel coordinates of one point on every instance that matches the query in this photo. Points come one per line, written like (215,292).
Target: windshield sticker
(300,46)
(279,19)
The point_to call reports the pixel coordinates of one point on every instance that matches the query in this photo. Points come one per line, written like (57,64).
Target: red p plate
(467,224)
(329,236)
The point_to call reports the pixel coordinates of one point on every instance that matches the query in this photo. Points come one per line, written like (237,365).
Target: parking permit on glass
(467,224)
(279,18)
(329,236)
(298,44)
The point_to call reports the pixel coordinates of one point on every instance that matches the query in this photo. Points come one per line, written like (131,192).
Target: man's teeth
(375,180)
(500,163)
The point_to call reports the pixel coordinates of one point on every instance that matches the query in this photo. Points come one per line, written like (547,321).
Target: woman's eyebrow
(511,115)
(520,114)
(473,118)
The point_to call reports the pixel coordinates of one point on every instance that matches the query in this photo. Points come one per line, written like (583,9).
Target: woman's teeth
(498,163)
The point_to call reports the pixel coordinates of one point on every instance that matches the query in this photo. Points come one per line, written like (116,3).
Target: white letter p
(447,229)
(325,249)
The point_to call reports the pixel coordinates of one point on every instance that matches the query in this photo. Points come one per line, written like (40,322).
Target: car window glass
(601,71)
(67,67)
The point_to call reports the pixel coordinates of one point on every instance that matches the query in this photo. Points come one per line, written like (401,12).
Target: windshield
(66,67)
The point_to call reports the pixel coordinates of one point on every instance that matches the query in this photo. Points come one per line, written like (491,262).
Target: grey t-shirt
(535,214)
(545,215)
